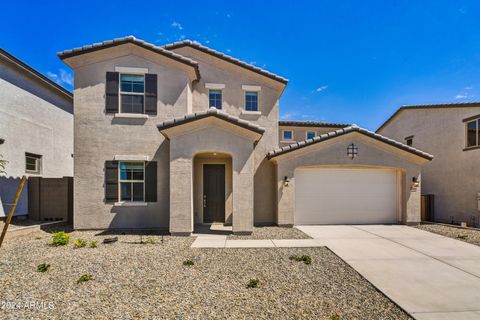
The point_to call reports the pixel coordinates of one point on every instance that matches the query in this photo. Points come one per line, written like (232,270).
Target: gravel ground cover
(132,280)
(272,233)
(468,235)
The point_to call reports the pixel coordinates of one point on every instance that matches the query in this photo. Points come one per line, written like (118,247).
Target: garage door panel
(345,196)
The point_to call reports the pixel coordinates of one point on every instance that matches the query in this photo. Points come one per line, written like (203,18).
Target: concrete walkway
(428,275)
(220,241)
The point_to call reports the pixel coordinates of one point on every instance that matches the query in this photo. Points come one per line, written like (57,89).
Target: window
(33,163)
(251,101)
(472,133)
(287,135)
(215,99)
(132,181)
(132,93)
(311,134)
(409,141)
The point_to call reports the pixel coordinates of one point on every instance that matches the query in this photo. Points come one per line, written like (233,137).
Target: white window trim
(120,92)
(256,113)
(215,86)
(132,158)
(131,115)
(309,131)
(131,70)
(248,87)
(287,140)
(476,135)
(129,203)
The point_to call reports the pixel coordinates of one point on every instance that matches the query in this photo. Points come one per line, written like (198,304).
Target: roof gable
(221,55)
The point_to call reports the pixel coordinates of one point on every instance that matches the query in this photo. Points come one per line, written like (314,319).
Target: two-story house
(173,136)
(450,132)
(36,130)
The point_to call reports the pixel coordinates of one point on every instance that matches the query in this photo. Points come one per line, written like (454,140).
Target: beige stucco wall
(453,176)
(99,137)
(214,70)
(300,133)
(371,153)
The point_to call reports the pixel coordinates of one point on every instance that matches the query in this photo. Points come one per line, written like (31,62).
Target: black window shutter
(151,181)
(150,93)
(111,92)
(111,181)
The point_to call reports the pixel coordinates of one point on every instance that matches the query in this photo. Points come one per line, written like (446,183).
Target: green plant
(335,316)
(93,244)
(84,278)
(3,165)
(38,238)
(60,238)
(252,283)
(79,243)
(43,267)
(306,259)
(188,263)
(149,240)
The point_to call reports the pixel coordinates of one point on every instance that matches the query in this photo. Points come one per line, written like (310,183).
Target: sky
(346,61)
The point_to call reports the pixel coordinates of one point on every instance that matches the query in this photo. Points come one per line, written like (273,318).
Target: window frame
(38,163)
(221,98)
(407,139)
(309,131)
(120,181)
(245,98)
(283,135)
(120,92)
(477,138)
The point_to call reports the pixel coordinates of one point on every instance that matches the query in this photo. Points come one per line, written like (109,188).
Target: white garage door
(345,196)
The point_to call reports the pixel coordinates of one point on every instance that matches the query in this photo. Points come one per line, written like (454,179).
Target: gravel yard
(134,281)
(272,233)
(468,235)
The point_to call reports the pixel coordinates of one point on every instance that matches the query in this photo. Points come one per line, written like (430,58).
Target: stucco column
(181,195)
(243,194)
(285,195)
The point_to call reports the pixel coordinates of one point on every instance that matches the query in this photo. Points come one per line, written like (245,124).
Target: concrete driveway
(428,275)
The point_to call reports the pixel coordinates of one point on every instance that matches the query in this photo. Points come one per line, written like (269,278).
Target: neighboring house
(296,131)
(451,133)
(36,128)
(178,135)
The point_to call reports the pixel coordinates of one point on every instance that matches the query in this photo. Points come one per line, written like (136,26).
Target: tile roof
(8,56)
(430,106)
(129,39)
(212,112)
(218,54)
(295,123)
(340,132)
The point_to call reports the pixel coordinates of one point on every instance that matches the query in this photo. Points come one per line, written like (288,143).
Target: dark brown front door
(213,193)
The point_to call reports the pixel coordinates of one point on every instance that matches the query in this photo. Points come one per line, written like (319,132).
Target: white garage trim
(342,195)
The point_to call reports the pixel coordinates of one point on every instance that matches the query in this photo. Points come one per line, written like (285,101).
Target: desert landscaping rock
(272,233)
(138,281)
(468,235)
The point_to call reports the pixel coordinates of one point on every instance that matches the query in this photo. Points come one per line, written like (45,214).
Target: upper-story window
(472,133)
(311,134)
(287,135)
(215,99)
(409,141)
(251,101)
(132,93)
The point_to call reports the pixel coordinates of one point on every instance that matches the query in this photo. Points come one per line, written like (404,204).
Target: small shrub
(60,239)
(335,316)
(93,244)
(253,283)
(43,267)
(38,238)
(188,263)
(306,259)
(150,240)
(79,243)
(84,278)
(462,237)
